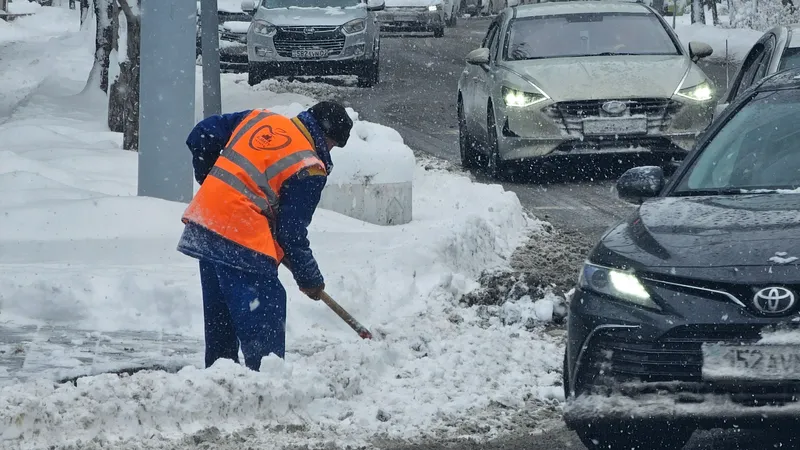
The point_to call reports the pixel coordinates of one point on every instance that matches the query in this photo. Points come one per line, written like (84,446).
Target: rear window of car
(790,59)
(574,35)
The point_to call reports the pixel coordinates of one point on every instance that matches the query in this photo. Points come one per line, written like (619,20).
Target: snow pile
(739,41)
(23,7)
(80,252)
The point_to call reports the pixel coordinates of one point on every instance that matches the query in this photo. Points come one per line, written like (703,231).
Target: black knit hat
(334,121)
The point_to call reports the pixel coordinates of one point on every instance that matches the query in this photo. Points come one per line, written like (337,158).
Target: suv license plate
(309,53)
(751,362)
(615,126)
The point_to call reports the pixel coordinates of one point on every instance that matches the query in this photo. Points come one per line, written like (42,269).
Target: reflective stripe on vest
(246,180)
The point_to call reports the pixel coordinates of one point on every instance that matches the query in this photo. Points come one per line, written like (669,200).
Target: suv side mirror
(699,50)
(478,57)
(640,183)
(249,6)
(376,5)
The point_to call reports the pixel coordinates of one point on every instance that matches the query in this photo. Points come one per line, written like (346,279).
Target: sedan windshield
(572,35)
(758,149)
(280,4)
(790,59)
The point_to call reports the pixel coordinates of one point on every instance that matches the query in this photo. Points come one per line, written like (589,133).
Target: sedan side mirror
(699,50)
(249,6)
(478,57)
(376,5)
(640,183)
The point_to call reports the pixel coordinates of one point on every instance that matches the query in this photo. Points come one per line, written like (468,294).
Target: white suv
(313,37)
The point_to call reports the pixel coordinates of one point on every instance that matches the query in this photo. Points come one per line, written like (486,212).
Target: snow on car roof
(577,7)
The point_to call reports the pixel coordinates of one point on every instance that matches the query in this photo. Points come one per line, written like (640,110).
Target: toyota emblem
(309,30)
(614,107)
(774,301)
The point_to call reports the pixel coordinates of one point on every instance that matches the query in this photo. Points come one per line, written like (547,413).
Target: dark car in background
(686,314)
(233,26)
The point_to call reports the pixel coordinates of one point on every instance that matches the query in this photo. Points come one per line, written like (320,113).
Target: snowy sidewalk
(90,281)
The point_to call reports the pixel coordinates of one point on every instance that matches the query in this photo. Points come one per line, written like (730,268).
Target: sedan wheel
(469,157)
(494,164)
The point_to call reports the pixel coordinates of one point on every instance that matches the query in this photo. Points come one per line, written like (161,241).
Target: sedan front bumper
(575,127)
(629,363)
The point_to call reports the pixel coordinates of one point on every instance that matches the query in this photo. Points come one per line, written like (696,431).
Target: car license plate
(614,126)
(751,362)
(312,53)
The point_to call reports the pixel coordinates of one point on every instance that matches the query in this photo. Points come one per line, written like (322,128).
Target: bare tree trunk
(103,10)
(85,7)
(698,12)
(130,100)
(714,13)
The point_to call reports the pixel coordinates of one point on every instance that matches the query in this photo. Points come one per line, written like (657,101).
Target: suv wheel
(634,436)
(255,74)
(370,74)
(438,32)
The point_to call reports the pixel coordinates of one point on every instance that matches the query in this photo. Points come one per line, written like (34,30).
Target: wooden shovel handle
(354,324)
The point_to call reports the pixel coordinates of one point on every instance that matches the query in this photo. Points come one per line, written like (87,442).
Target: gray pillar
(166,114)
(209,24)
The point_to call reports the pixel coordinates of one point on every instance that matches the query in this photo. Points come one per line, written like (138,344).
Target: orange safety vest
(239,200)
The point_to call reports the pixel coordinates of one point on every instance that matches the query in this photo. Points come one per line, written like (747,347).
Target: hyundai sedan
(686,314)
(567,78)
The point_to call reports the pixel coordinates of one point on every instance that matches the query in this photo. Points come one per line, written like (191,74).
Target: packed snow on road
(90,282)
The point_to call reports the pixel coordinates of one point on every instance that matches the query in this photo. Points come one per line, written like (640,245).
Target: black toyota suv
(685,315)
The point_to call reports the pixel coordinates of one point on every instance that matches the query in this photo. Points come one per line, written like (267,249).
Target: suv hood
(604,77)
(310,17)
(705,233)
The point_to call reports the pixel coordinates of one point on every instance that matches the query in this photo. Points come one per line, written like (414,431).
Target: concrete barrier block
(379,204)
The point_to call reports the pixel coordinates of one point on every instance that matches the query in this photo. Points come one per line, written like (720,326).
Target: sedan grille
(677,356)
(570,114)
(289,39)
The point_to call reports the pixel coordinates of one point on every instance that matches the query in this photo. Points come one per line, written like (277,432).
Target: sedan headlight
(701,92)
(518,98)
(264,28)
(436,7)
(615,283)
(354,26)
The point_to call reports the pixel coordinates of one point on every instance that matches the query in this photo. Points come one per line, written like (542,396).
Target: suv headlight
(615,283)
(701,92)
(435,7)
(264,28)
(354,26)
(518,98)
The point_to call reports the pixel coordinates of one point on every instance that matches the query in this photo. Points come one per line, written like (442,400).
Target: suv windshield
(759,148)
(279,4)
(571,35)
(790,59)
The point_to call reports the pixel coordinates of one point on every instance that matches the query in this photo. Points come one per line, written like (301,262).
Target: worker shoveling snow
(90,281)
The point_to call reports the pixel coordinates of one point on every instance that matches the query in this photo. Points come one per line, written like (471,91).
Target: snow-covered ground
(90,281)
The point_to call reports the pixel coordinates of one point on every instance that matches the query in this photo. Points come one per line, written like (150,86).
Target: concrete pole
(167,89)
(209,24)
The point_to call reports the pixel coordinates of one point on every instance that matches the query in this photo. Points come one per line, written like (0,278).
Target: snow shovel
(354,324)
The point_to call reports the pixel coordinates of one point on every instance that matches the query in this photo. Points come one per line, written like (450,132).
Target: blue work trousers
(242,308)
